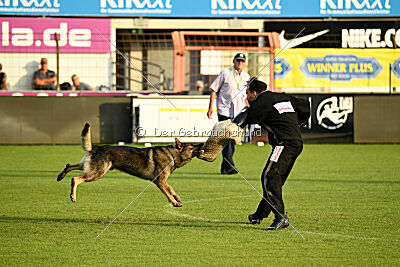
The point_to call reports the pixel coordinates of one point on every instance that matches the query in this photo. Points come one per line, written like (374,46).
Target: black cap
(240,56)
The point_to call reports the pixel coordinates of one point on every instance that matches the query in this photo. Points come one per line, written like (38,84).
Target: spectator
(78,85)
(3,80)
(44,79)
(229,90)
(199,88)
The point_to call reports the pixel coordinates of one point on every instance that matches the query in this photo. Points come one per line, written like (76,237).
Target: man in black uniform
(280,114)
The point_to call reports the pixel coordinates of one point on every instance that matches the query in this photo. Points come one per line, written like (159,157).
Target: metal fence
(162,60)
(177,60)
(147,61)
(204,54)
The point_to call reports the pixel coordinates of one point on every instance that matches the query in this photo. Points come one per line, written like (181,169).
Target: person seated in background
(78,85)
(199,88)
(3,79)
(44,79)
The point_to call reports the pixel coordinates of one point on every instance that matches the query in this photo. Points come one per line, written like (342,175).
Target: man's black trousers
(274,177)
(227,152)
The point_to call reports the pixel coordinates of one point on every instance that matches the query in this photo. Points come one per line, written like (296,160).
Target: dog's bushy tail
(85,138)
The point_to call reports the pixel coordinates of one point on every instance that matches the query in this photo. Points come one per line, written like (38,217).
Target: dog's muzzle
(198,152)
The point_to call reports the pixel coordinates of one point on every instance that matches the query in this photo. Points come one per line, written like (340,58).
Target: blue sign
(355,7)
(396,68)
(282,68)
(341,67)
(200,9)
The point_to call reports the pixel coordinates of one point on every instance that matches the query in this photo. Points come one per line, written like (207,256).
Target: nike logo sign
(298,41)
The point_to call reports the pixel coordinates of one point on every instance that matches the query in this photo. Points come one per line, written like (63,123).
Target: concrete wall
(59,120)
(377,119)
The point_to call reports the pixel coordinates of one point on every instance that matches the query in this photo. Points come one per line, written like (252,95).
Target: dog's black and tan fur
(154,163)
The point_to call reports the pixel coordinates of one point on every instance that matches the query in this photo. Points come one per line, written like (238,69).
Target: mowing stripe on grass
(134,199)
(352,237)
(169,209)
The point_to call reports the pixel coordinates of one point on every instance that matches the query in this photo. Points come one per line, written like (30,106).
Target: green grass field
(344,199)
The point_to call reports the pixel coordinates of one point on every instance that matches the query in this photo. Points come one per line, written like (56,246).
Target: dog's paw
(177,198)
(177,204)
(60,177)
(72,198)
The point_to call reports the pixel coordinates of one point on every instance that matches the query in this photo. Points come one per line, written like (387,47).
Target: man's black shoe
(254,219)
(230,171)
(279,223)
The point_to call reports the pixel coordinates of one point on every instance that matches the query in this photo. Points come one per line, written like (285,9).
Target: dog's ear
(178,144)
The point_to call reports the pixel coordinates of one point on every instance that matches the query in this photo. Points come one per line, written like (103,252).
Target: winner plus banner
(337,68)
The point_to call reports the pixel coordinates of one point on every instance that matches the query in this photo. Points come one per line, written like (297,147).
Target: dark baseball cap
(240,56)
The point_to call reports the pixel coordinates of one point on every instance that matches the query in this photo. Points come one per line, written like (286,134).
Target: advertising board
(213,8)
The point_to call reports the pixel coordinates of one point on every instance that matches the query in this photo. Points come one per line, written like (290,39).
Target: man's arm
(51,80)
(3,85)
(258,111)
(213,95)
(87,87)
(248,115)
(302,108)
(214,88)
(39,82)
(44,82)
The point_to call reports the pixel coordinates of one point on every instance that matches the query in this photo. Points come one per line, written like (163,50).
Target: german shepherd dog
(154,163)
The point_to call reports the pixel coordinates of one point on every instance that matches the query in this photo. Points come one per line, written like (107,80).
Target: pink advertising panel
(36,35)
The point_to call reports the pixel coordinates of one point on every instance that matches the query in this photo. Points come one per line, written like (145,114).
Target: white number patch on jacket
(283,107)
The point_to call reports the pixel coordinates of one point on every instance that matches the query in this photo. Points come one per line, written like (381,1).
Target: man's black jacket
(280,114)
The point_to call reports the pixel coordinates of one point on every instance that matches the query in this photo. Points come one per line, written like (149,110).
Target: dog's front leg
(75,181)
(162,185)
(173,193)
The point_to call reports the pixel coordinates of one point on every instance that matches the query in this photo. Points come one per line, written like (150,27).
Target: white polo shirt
(230,85)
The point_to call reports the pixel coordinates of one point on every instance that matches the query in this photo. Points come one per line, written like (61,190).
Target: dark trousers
(274,177)
(227,152)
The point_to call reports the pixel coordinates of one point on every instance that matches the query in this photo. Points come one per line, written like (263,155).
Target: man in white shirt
(229,88)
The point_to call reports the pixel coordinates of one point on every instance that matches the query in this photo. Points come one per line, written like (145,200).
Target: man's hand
(209,113)
(213,95)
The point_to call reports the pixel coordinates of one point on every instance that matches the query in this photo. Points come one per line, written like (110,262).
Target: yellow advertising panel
(337,68)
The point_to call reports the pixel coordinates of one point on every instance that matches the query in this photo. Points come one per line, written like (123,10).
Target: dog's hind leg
(68,168)
(87,177)
(173,193)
